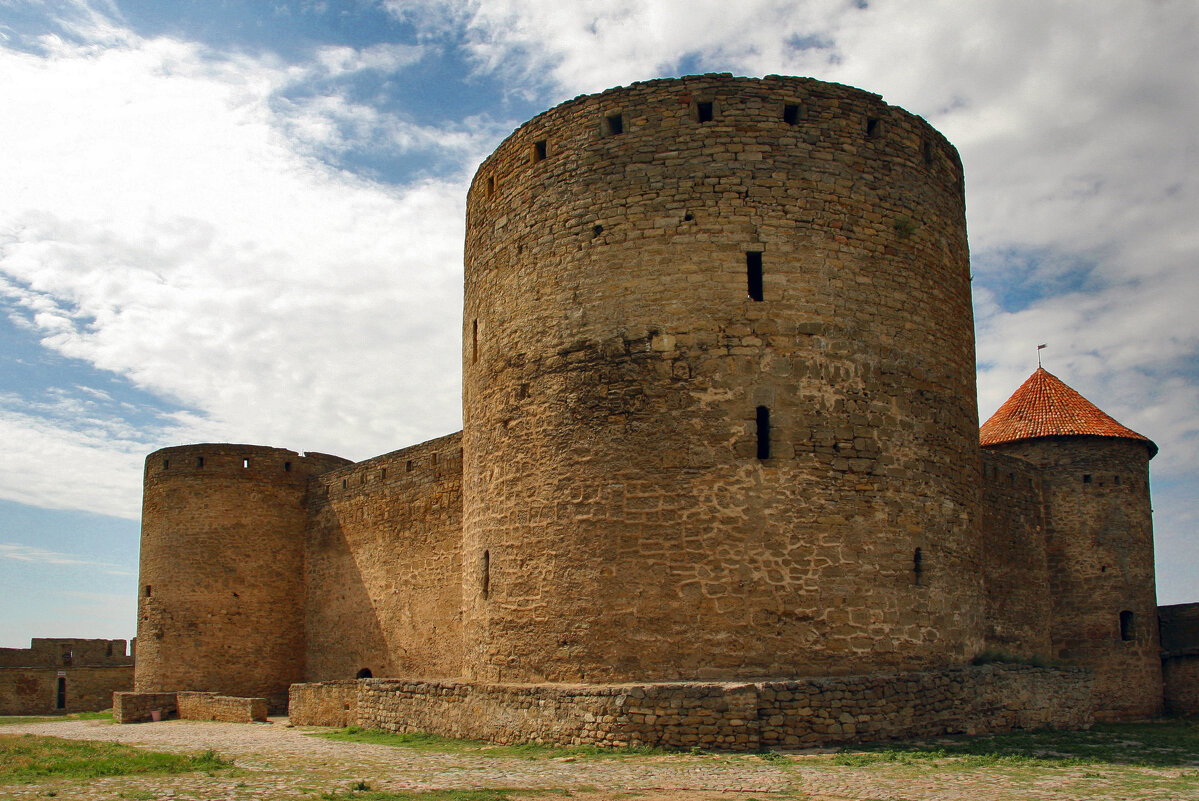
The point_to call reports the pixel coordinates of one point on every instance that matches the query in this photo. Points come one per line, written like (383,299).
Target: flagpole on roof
(1039,348)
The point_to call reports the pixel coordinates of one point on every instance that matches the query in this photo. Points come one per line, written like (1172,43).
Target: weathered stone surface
(718,715)
(61,675)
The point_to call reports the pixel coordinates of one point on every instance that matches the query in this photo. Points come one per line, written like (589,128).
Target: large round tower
(221,591)
(1098,538)
(719,395)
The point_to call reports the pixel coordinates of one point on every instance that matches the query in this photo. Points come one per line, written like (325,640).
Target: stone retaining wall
(718,715)
(225,708)
(139,707)
(330,703)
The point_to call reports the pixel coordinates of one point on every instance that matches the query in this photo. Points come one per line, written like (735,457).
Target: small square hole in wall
(539,150)
(705,111)
(1086,478)
(613,124)
(791,113)
(874,127)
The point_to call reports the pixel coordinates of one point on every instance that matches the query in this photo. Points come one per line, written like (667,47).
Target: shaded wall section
(1180,657)
(383,565)
(1015,569)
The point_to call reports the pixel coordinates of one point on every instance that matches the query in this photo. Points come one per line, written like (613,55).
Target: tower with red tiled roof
(1098,535)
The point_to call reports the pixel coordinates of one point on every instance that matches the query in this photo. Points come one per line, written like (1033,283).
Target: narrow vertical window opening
(753,274)
(486,574)
(927,149)
(1126,626)
(490,185)
(245,463)
(108,650)
(704,111)
(166,463)
(791,114)
(474,342)
(918,567)
(539,150)
(345,482)
(62,693)
(408,465)
(614,125)
(383,474)
(763,418)
(874,127)
(287,467)
(199,461)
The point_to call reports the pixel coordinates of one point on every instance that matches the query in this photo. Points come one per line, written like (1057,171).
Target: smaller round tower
(221,590)
(1098,539)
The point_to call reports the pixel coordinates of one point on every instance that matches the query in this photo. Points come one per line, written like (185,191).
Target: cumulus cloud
(160,223)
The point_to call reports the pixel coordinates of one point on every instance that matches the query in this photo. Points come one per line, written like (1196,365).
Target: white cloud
(158,224)
(27,553)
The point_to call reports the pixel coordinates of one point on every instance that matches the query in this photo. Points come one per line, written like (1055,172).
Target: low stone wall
(140,707)
(330,703)
(225,708)
(714,715)
(1180,671)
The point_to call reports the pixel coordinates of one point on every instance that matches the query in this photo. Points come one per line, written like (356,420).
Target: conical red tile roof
(1044,406)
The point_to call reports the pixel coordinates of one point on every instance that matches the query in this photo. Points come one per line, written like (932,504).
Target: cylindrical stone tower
(1098,538)
(221,591)
(718,390)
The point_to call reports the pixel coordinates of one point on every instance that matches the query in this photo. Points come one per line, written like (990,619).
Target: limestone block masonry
(720,480)
(718,390)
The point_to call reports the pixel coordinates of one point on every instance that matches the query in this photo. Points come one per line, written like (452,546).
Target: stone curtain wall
(724,716)
(718,388)
(34,691)
(221,592)
(67,652)
(330,703)
(383,566)
(1180,657)
(1016,570)
(210,706)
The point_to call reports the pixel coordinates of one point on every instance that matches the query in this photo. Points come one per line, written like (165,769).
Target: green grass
(1151,745)
(105,715)
(432,742)
(26,758)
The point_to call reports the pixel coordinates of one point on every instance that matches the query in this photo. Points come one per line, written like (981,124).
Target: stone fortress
(719,480)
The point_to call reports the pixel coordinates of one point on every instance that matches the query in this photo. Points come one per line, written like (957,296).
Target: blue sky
(243,222)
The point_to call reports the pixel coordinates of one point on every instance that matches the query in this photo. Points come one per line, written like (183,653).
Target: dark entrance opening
(365,673)
(62,693)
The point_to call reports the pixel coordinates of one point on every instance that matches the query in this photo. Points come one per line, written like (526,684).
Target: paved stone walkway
(279,763)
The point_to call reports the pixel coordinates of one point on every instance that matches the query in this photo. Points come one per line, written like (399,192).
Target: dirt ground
(278,763)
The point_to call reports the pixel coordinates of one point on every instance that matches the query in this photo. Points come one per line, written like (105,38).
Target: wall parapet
(731,716)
